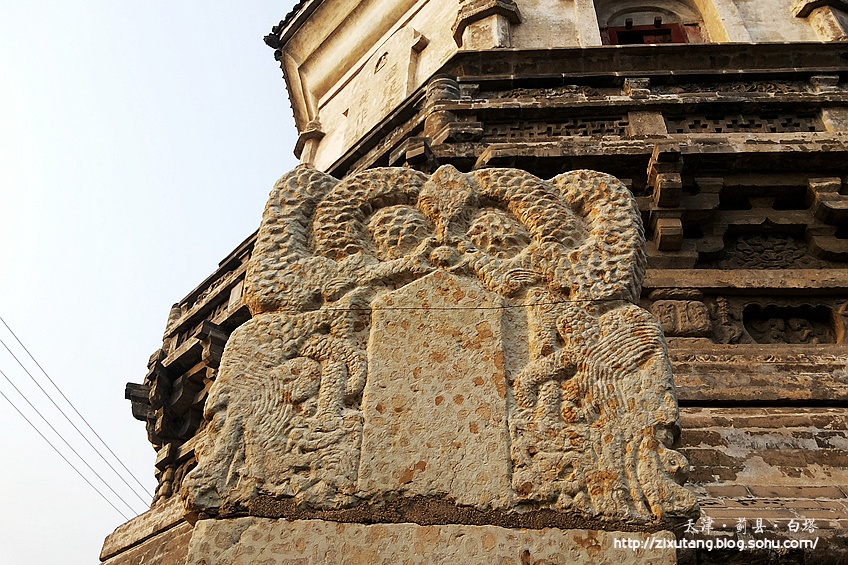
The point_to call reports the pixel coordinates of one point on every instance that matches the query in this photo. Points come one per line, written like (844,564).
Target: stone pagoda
(555,282)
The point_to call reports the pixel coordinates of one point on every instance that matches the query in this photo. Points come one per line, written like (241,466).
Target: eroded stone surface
(158,519)
(435,402)
(165,548)
(524,378)
(255,540)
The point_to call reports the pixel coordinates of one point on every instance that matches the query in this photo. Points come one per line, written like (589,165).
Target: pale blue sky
(138,143)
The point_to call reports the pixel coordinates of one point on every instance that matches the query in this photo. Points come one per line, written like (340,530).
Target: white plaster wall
(336,53)
(545,24)
(772,20)
(326,52)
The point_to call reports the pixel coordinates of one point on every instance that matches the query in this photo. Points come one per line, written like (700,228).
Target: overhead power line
(96,450)
(9,400)
(55,431)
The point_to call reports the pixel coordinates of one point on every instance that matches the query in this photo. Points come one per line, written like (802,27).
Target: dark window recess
(630,34)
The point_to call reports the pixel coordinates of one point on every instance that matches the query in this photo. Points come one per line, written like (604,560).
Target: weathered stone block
(637,87)
(308,542)
(646,123)
(825,83)
(169,547)
(161,517)
(668,234)
(682,318)
(668,190)
(435,403)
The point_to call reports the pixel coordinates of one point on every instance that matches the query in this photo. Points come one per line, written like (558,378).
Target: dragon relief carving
(591,416)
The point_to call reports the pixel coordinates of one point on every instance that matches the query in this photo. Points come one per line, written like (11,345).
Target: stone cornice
(504,66)
(803,8)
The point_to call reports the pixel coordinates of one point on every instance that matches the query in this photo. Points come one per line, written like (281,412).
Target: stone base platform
(159,536)
(268,541)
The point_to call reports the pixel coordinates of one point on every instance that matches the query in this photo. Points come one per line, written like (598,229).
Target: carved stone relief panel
(789,324)
(776,321)
(548,93)
(727,322)
(770,87)
(682,318)
(768,251)
(470,339)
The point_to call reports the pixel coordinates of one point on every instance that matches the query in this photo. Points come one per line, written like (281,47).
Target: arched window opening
(637,22)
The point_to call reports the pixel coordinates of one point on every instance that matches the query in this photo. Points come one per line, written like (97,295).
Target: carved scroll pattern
(592,416)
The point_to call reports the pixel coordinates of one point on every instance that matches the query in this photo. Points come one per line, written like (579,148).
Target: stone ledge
(431,511)
(746,151)
(757,373)
(509,66)
(244,540)
(786,281)
(144,526)
(765,417)
(165,548)
(827,525)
